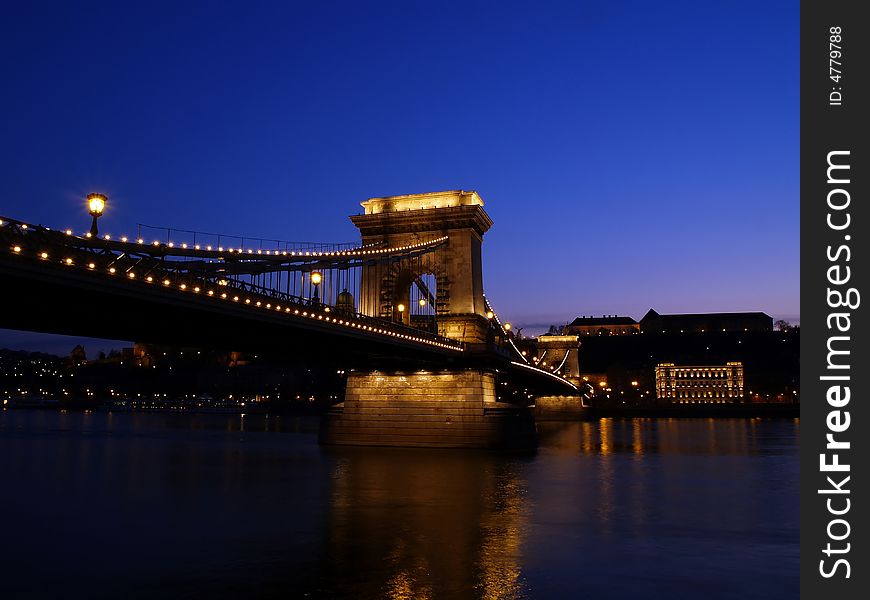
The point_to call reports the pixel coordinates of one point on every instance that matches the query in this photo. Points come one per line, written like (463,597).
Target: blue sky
(631,154)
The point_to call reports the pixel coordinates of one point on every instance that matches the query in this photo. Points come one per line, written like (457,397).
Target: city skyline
(630,157)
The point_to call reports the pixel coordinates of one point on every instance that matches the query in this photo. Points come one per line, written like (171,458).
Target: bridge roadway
(56,282)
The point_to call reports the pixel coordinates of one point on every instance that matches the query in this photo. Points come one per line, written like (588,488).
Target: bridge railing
(177,237)
(309,302)
(54,249)
(339,265)
(60,249)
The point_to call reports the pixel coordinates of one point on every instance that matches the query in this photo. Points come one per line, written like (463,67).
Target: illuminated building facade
(699,384)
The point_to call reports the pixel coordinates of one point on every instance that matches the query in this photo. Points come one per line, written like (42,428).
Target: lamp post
(401,308)
(96,204)
(316,278)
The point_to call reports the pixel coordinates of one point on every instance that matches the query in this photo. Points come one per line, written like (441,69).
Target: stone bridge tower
(402,220)
(456,406)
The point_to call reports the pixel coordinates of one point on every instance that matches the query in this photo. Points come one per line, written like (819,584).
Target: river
(136,505)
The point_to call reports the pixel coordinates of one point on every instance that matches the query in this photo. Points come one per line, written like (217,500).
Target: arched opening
(415,299)
(423,300)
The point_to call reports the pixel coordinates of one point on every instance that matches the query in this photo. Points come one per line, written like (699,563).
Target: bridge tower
(455,406)
(456,268)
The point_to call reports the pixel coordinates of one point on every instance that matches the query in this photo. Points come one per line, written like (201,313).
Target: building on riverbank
(699,384)
(653,322)
(603,325)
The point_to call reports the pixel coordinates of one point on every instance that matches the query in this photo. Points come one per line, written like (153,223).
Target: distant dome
(344,301)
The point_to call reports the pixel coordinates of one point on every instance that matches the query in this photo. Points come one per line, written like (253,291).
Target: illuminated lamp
(96,206)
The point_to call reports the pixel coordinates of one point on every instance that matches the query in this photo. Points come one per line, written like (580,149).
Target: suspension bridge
(429,361)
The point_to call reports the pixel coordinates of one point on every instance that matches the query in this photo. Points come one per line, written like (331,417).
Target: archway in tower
(415,300)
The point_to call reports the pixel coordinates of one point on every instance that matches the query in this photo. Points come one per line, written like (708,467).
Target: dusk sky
(631,154)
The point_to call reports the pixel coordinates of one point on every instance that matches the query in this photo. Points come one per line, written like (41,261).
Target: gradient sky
(631,154)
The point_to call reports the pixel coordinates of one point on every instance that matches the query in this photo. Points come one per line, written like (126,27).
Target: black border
(825,128)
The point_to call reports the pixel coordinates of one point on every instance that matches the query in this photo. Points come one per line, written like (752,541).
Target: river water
(135,505)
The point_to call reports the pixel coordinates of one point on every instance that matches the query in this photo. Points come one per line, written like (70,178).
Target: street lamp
(401,308)
(316,278)
(507,326)
(96,204)
(489,314)
(422,302)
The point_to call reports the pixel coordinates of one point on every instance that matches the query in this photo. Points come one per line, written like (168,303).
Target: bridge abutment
(443,409)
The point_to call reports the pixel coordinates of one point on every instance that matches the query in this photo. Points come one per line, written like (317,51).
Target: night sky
(631,154)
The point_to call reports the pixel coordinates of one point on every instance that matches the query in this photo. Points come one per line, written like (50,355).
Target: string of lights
(220,251)
(543,372)
(525,364)
(203,238)
(144,264)
(562,364)
(504,327)
(230,291)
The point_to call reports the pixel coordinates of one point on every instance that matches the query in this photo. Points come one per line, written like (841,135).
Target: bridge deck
(57,282)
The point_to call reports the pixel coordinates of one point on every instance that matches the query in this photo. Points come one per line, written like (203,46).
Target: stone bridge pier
(443,409)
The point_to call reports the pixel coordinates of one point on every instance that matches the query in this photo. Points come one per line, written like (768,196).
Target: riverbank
(706,411)
(576,413)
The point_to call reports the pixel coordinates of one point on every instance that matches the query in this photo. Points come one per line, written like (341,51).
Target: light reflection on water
(225,506)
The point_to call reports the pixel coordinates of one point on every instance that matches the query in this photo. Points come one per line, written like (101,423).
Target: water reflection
(428,524)
(222,506)
(665,507)
(662,436)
